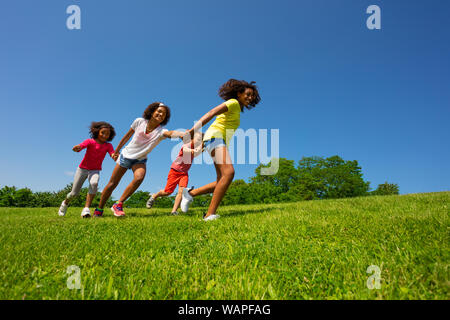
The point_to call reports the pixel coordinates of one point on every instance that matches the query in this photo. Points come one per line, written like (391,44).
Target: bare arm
(122,142)
(194,152)
(173,134)
(221,108)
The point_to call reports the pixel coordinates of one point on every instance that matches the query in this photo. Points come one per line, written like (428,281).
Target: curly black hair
(97,126)
(152,108)
(231,88)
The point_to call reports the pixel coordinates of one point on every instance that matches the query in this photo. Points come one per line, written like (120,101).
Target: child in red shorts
(178,174)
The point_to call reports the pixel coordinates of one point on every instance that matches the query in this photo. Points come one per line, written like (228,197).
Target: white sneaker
(63,209)
(186,200)
(211,217)
(86,213)
(150,202)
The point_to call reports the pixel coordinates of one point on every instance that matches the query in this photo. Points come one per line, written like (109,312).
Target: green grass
(305,250)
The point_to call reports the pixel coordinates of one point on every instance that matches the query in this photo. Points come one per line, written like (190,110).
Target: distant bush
(386,189)
(314,178)
(12,197)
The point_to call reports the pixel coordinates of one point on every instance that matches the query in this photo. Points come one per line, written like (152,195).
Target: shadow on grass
(196,212)
(233,213)
(152,214)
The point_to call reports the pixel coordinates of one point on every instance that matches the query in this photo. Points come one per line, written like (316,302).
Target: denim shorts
(213,143)
(129,163)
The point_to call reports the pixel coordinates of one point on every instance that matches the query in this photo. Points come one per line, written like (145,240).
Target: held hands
(187,136)
(77,148)
(198,150)
(115,156)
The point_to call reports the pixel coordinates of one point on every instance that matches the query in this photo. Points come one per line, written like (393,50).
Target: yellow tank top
(226,123)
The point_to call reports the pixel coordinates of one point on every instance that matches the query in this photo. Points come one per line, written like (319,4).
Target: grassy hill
(304,250)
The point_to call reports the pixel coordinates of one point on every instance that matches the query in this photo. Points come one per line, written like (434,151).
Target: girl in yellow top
(237,95)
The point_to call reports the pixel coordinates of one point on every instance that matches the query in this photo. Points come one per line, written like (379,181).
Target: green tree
(165,202)
(24,198)
(237,193)
(332,177)
(386,189)
(314,178)
(202,201)
(284,178)
(44,199)
(137,200)
(7,196)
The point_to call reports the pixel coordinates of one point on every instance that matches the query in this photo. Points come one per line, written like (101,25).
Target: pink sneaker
(118,210)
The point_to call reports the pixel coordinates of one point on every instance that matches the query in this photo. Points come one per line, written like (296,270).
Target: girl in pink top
(91,165)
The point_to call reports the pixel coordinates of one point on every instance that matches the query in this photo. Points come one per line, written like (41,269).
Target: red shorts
(176,178)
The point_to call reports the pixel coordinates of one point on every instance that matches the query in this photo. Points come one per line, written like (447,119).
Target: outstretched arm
(194,152)
(221,108)
(81,146)
(122,142)
(173,134)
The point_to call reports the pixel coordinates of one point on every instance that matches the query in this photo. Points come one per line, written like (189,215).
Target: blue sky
(327,82)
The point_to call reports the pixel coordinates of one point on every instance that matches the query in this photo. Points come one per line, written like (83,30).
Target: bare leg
(160,193)
(225,175)
(208,188)
(177,202)
(224,166)
(89,199)
(139,171)
(116,176)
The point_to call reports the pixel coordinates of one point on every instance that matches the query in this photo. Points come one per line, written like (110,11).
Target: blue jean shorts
(129,163)
(213,143)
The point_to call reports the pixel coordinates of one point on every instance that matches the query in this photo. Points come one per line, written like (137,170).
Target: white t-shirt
(142,144)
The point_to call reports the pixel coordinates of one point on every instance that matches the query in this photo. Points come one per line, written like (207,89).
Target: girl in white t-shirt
(146,132)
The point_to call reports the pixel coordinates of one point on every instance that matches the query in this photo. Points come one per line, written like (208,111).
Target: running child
(237,95)
(178,173)
(91,165)
(146,132)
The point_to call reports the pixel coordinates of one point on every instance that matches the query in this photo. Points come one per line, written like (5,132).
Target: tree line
(312,178)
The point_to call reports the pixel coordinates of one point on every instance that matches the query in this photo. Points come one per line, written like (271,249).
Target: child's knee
(112,184)
(228,173)
(93,188)
(71,195)
(138,179)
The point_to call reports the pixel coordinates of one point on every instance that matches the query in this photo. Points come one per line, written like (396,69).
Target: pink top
(184,161)
(95,154)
